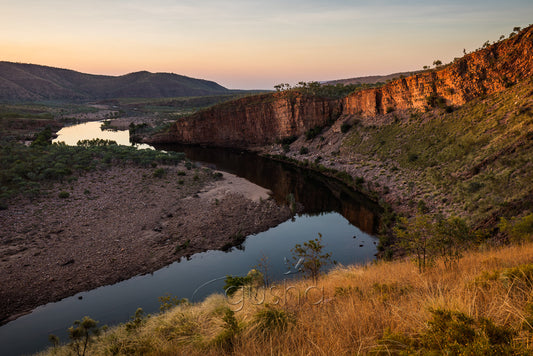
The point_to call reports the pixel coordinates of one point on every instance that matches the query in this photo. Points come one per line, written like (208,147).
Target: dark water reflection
(346,219)
(317,194)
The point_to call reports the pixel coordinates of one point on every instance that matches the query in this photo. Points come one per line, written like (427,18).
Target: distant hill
(28,82)
(374,79)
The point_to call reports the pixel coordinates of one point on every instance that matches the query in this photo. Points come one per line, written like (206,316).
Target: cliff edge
(263,119)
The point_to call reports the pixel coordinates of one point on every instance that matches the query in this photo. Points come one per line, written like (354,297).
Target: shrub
(313,132)
(345,127)
(422,207)
(344,176)
(474,187)
(270,319)
(136,321)
(168,302)
(43,138)
(412,157)
(159,173)
(288,140)
(226,338)
(304,150)
(254,278)
(452,332)
(435,101)
(518,228)
(63,195)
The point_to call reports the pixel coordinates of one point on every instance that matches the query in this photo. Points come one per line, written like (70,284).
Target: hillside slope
(481,306)
(30,82)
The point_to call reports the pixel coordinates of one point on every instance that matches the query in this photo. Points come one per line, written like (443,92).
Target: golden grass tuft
(362,307)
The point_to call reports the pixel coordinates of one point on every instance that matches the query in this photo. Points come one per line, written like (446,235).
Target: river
(346,220)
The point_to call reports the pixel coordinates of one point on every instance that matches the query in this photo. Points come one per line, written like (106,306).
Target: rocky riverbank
(119,223)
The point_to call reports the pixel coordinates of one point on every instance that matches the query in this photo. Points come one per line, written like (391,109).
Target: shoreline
(121,223)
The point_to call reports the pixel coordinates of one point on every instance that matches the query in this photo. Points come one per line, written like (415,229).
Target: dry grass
(361,305)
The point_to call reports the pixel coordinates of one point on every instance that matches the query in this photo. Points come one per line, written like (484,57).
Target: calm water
(344,218)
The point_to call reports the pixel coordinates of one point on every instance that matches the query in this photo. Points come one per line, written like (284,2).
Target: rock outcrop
(483,72)
(262,119)
(255,120)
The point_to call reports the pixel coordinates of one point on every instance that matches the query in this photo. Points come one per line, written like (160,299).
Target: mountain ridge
(33,82)
(371,79)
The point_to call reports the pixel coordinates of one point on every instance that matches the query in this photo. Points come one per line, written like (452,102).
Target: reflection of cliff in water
(317,194)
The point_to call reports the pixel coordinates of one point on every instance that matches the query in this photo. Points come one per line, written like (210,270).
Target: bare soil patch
(119,223)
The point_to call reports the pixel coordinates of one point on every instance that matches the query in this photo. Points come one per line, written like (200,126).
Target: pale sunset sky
(248,44)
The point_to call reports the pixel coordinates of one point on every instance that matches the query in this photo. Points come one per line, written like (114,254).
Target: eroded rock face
(255,120)
(483,72)
(262,119)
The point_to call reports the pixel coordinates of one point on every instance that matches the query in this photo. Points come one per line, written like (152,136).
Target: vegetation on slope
(478,156)
(481,304)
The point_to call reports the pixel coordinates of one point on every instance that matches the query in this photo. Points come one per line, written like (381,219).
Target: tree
(426,239)
(282,87)
(43,138)
(81,333)
(414,236)
(451,236)
(310,258)
(437,63)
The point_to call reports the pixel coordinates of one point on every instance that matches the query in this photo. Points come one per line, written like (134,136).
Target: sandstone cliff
(483,72)
(256,120)
(262,119)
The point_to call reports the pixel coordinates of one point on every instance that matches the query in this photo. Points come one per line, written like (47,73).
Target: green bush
(412,157)
(345,127)
(518,229)
(313,132)
(159,173)
(270,319)
(304,150)
(63,195)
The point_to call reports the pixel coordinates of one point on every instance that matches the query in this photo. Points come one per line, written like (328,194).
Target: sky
(249,44)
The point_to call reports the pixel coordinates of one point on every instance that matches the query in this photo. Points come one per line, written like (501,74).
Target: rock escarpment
(483,72)
(253,120)
(263,119)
